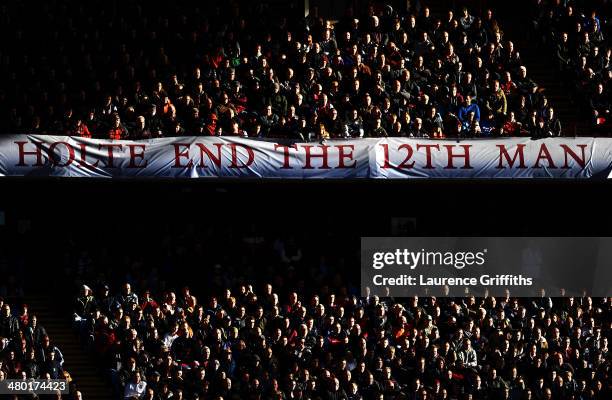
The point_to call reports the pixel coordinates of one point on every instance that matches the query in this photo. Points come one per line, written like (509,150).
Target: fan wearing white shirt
(171,336)
(135,388)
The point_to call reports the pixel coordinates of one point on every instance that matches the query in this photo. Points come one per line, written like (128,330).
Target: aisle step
(88,379)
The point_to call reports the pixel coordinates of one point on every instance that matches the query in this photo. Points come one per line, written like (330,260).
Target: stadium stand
(250,344)
(276,319)
(139,71)
(226,245)
(26,349)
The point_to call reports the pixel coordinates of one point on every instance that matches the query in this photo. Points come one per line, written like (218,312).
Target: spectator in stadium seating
(321,132)
(539,128)
(496,103)
(378,130)
(268,120)
(564,53)
(34,332)
(354,126)
(52,366)
(600,105)
(135,388)
(117,130)
(466,20)
(9,324)
(177,130)
(80,129)
(417,129)
(432,123)
(46,347)
(334,125)
(511,126)
(466,356)
(526,86)
(522,112)
(84,304)
(466,109)
(553,125)
(140,131)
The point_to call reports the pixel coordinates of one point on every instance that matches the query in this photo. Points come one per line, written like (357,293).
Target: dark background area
(52,207)
(42,218)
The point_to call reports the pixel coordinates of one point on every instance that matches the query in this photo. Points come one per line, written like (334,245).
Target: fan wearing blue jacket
(466,109)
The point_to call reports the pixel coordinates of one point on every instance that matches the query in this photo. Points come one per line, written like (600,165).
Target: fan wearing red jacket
(117,131)
(80,129)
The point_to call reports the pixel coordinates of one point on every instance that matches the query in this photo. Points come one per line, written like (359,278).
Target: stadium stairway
(87,378)
(541,68)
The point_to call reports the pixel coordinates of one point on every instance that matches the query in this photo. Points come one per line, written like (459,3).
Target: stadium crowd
(250,344)
(276,320)
(118,70)
(577,35)
(26,351)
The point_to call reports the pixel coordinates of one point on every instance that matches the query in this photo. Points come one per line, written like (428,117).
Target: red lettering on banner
(83,159)
(386,164)
(137,155)
(285,154)
(396,154)
(111,148)
(580,160)
(310,156)
(250,152)
(215,159)
(405,164)
(428,148)
(23,153)
(349,155)
(544,154)
(465,156)
(179,154)
(518,153)
(51,153)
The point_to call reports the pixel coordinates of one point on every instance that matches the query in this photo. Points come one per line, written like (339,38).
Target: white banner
(392,158)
